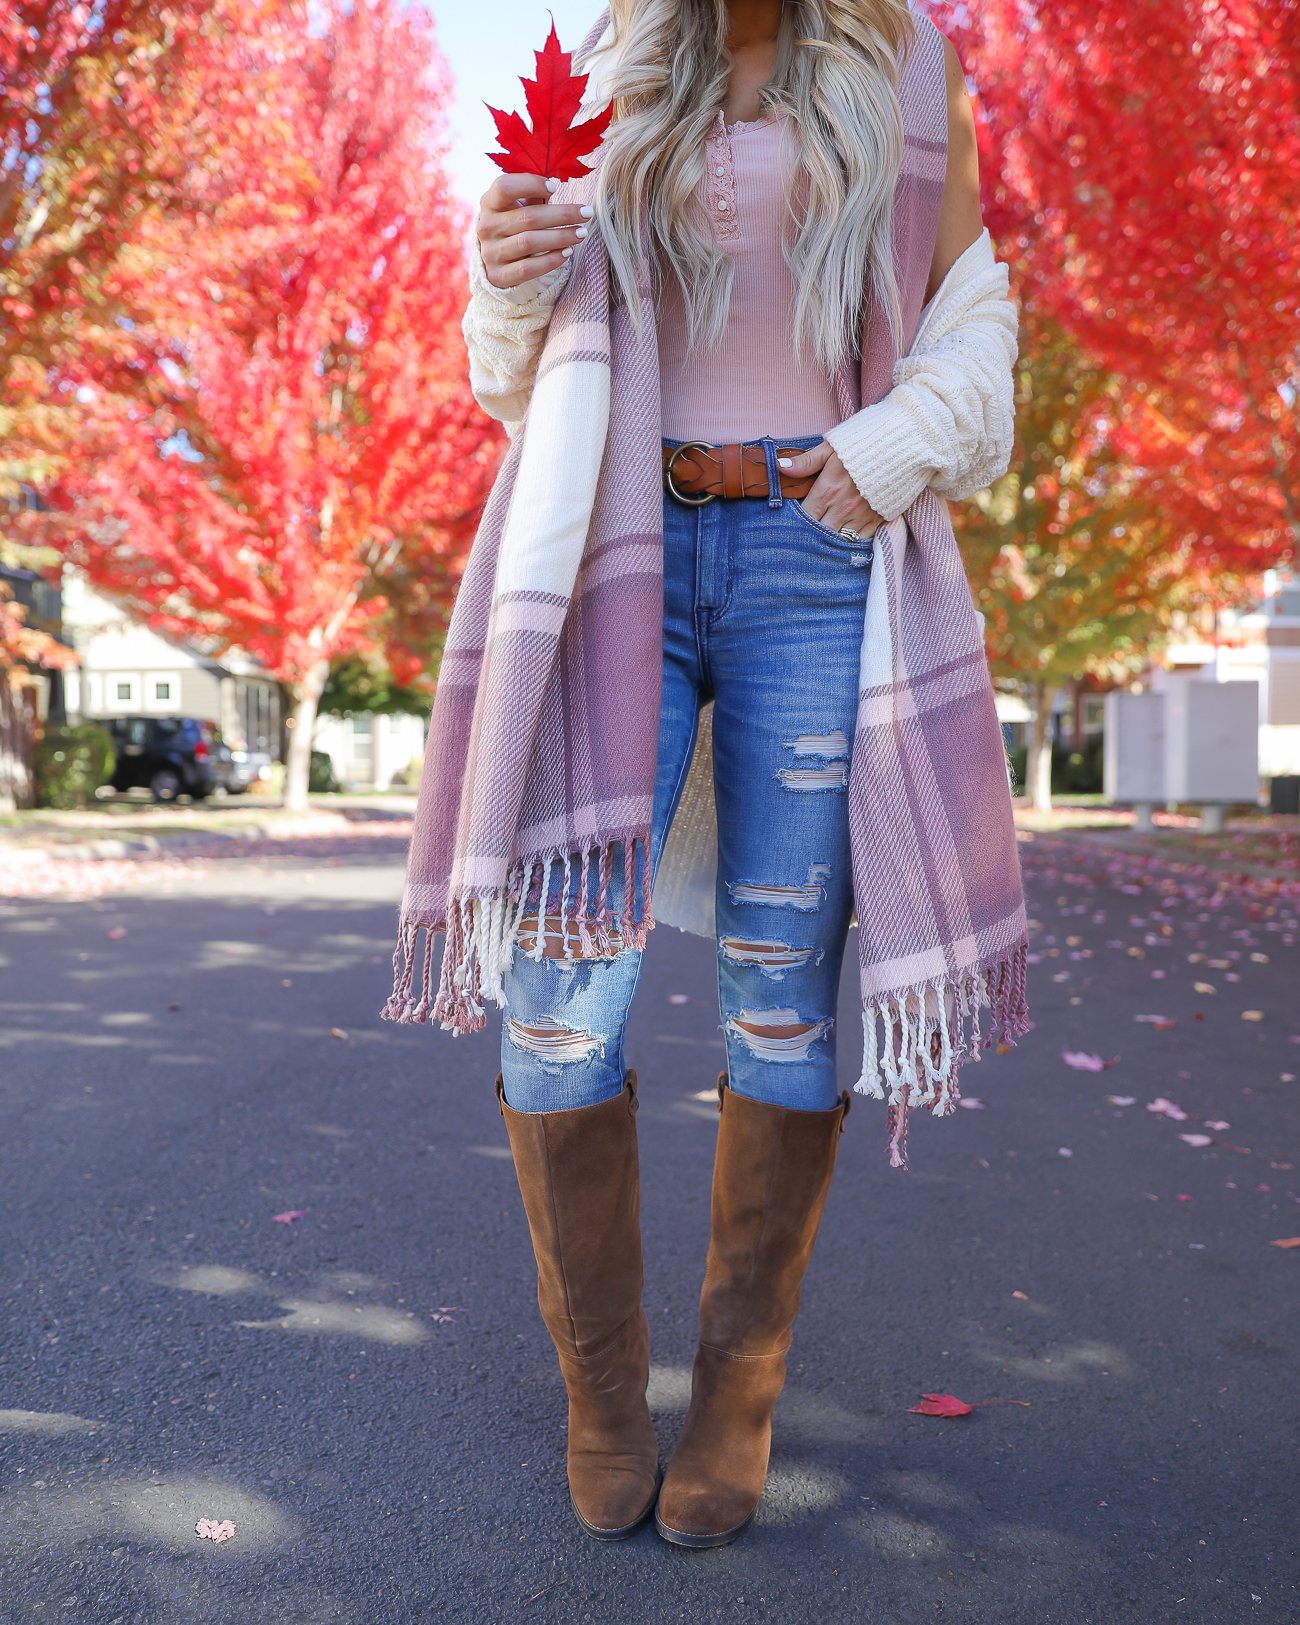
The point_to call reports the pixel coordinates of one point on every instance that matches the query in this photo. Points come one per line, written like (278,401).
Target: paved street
(367,1393)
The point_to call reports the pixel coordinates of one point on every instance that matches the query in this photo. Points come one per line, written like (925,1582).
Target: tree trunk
(298,768)
(1038,765)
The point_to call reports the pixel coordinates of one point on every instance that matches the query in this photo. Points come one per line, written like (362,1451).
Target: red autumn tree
(288,428)
(1142,162)
(112,115)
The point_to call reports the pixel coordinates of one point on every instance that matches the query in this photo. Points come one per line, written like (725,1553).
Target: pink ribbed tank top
(751,383)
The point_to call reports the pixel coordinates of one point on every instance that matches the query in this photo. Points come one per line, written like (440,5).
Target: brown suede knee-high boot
(580,1180)
(770,1178)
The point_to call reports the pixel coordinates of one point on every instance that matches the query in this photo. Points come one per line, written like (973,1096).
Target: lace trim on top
(752,123)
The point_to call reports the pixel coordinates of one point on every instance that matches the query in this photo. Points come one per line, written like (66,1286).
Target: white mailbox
(1211,741)
(1133,751)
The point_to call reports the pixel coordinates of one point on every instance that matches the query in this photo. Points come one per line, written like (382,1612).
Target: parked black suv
(172,756)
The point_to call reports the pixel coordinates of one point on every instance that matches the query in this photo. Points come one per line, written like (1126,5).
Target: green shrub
(71,764)
(320,775)
(1074,772)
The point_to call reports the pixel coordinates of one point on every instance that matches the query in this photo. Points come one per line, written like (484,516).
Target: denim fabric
(763,615)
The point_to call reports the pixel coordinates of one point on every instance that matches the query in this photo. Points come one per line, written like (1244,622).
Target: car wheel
(165,784)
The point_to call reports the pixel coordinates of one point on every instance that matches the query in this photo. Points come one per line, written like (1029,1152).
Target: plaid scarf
(542,746)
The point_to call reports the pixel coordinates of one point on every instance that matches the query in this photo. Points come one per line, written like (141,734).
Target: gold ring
(680,496)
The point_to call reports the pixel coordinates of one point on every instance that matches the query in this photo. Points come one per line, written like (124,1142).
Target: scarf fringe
(482,932)
(929,1030)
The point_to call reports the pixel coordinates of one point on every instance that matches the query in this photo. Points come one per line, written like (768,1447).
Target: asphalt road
(368,1394)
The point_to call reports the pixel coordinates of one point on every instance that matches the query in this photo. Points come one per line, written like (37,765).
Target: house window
(124,691)
(162,691)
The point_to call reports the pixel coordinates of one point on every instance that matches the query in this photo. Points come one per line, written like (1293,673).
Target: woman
(717,550)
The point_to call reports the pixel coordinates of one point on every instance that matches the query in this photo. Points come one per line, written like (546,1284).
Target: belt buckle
(681,496)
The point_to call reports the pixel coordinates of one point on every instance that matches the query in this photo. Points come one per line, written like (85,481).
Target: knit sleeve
(949,420)
(505,329)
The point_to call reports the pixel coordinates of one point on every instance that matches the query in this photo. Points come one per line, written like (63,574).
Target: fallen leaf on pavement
(1084,1063)
(1064,1151)
(1290,1241)
(1167,1109)
(1023,1296)
(950,1405)
(941,1405)
(679,998)
(1162,1022)
(1205,987)
(1217,1124)
(971,1103)
(288,1218)
(1122,1100)
(1184,1198)
(337,1032)
(116,932)
(1252,1015)
(209,1529)
(1197,1139)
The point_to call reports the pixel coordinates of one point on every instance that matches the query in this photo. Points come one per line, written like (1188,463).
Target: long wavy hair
(836,76)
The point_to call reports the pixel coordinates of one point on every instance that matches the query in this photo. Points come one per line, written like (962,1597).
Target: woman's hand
(521,233)
(834,500)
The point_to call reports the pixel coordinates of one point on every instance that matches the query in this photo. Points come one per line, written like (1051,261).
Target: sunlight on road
(48,1424)
(161,1513)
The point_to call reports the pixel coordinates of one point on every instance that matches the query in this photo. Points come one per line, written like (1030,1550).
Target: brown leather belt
(695,473)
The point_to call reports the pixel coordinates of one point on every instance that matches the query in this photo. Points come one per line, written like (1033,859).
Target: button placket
(719,185)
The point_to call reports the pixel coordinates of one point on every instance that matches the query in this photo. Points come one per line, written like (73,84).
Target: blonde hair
(836,76)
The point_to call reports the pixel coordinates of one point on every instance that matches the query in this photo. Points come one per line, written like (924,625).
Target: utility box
(1211,741)
(1133,751)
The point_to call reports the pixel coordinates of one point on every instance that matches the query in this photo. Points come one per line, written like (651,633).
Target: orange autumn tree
(1075,562)
(282,454)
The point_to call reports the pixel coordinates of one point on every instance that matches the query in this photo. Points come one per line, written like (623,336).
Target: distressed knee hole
(806,898)
(778,1035)
(553,940)
(832,774)
(774,959)
(550,1040)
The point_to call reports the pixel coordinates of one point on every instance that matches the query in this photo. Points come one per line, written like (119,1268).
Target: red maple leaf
(950,1405)
(942,1405)
(554,144)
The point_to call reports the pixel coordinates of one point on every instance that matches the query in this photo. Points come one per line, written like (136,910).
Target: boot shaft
(771,1176)
(579,1176)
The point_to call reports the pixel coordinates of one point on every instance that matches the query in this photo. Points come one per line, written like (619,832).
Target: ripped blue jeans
(763,615)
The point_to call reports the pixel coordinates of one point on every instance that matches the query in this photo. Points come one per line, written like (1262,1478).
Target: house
(127,669)
(371,750)
(1262,645)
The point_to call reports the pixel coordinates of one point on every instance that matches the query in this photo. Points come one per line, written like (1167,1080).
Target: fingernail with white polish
(552,186)
(785,462)
(565,252)
(580,231)
(586,211)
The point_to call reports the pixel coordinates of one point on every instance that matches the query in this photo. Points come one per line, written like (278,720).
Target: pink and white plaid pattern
(543,739)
